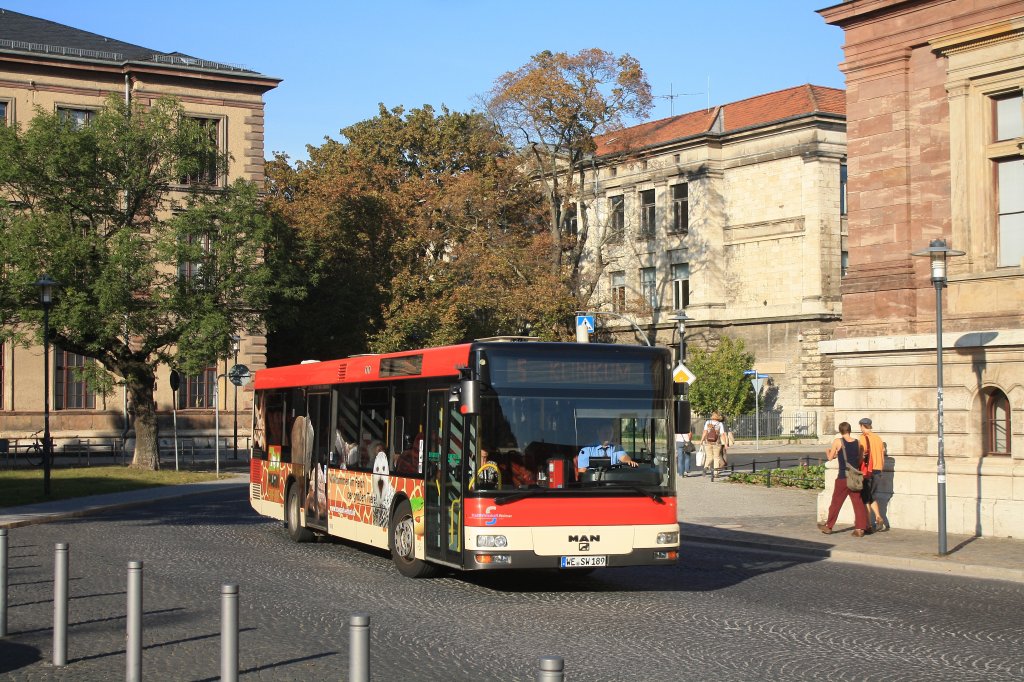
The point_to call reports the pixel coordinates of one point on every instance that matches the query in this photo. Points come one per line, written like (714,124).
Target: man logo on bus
(584,538)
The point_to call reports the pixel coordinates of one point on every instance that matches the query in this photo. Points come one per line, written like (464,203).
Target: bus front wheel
(402,543)
(295,528)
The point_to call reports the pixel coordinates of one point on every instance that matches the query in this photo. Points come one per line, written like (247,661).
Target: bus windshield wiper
(654,496)
(643,491)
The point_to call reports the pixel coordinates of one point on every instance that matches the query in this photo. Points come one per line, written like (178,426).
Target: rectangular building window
(1006,140)
(208,172)
(617,218)
(618,291)
(190,268)
(3,112)
(649,287)
(1010,184)
(70,392)
(680,209)
(648,214)
(843,175)
(1009,117)
(76,118)
(196,391)
(680,285)
(572,224)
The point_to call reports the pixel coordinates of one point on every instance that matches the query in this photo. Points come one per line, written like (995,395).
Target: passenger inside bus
(408,460)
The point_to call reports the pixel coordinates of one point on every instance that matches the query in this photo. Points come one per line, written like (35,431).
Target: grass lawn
(25,486)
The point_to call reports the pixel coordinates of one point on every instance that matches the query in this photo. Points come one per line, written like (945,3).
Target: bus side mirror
(682,416)
(467,395)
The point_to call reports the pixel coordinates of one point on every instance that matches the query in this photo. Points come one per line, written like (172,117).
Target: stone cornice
(964,41)
(922,342)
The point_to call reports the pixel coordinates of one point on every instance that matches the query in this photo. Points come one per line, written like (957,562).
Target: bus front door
(443,485)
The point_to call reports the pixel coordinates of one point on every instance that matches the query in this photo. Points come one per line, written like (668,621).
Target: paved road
(719,614)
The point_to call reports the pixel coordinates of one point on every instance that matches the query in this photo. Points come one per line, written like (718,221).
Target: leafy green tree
(721,384)
(552,108)
(141,284)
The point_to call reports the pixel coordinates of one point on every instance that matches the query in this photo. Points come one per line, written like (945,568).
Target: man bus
(467,456)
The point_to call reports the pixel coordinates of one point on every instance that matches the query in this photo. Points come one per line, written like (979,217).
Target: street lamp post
(681,317)
(46,286)
(683,416)
(236,341)
(938,251)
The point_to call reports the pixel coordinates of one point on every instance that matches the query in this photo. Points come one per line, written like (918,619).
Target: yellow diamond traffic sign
(682,375)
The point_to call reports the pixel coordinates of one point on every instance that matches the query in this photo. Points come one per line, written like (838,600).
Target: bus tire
(296,530)
(402,543)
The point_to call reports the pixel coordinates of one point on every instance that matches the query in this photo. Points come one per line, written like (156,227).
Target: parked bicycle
(32,452)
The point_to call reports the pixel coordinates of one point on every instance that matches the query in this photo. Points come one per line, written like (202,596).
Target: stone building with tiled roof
(735,214)
(49,66)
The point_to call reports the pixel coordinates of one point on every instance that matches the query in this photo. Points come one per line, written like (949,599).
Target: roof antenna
(672,98)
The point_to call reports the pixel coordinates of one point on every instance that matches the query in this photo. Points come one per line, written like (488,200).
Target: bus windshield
(571,442)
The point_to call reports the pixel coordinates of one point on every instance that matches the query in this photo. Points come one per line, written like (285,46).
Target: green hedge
(808,478)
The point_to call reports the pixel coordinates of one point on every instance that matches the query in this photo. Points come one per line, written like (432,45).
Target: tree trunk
(140,388)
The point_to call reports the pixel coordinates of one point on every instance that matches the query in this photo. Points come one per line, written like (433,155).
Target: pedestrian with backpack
(712,440)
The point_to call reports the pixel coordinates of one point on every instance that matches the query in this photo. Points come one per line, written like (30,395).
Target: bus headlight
(670,538)
(492,541)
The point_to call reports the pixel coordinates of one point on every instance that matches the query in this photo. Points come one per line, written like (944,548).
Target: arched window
(997,423)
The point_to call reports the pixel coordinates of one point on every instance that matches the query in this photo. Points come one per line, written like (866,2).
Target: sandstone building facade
(936,142)
(734,214)
(53,67)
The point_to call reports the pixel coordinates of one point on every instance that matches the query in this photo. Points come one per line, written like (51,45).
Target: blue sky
(339,59)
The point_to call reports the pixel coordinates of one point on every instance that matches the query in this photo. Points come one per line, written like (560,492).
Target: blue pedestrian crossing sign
(586,321)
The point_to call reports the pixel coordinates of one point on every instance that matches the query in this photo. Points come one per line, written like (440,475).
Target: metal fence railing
(770,425)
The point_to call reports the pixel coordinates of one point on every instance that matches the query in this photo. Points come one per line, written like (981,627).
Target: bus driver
(604,448)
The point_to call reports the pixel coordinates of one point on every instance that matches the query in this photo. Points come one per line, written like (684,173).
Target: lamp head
(236,343)
(937,252)
(46,286)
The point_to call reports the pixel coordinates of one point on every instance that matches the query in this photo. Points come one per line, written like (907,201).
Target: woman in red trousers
(847,449)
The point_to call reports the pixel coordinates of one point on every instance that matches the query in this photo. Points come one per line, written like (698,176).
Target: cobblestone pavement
(719,614)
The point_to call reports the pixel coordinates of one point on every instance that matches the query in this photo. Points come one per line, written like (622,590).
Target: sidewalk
(784,521)
(44,512)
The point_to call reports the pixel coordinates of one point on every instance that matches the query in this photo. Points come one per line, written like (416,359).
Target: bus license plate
(583,561)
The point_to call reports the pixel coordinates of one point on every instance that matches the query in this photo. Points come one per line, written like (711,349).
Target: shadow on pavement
(121,652)
(696,571)
(288,661)
(691,532)
(218,507)
(14,656)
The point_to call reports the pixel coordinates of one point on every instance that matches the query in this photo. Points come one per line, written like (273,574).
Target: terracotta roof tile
(760,110)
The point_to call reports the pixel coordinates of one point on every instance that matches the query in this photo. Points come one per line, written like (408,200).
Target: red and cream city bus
(467,456)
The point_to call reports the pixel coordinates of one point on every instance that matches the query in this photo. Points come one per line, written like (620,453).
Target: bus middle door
(319,414)
(443,485)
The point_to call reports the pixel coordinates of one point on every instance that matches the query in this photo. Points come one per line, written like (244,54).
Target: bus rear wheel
(402,543)
(296,530)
